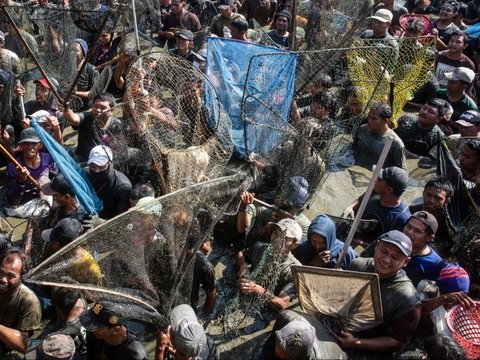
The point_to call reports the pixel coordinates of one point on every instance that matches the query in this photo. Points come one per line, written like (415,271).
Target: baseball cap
(461,74)
(225,4)
(291,229)
(185,34)
(99,316)
(39,116)
(66,230)
(296,339)
(43,82)
(396,177)
(469,118)
(453,278)
(399,239)
(29,135)
(100,155)
(188,335)
(54,347)
(428,219)
(285,13)
(383,15)
(58,185)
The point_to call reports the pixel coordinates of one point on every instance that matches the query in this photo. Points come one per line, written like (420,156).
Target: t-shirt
(85,83)
(130,349)
(21,310)
(368,147)
(445,34)
(399,299)
(443,65)
(417,140)
(280,40)
(261,11)
(203,275)
(465,103)
(424,267)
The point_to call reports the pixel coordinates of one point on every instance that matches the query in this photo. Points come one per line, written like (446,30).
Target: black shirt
(130,349)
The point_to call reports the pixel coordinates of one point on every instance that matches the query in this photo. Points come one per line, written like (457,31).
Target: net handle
(366,198)
(20,167)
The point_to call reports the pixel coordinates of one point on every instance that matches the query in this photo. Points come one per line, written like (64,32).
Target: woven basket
(465,326)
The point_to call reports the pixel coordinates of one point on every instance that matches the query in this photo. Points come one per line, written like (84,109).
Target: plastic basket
(465,326)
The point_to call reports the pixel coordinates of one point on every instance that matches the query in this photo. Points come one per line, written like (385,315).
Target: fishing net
(354,306)
(143,259)
(402,71)
(176,118)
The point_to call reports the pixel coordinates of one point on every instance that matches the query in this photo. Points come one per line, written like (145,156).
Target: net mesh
(145,256)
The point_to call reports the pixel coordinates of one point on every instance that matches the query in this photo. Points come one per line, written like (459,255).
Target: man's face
(10,275)
(105,39)
(428,116)
(354,105)
(60,199)
(465,131)
(456,86)
(282,23)
(379,28)
(434,200)
(77,50)
(30,149)
(182,44)
(375,122)
(456,44)
(41,93)
(177,7)
(318,242)
(101,110)
(225,12)
(97,168)
(418,233)
(381,186)
(235,34)
(469,160)
(447,12)
(388,259)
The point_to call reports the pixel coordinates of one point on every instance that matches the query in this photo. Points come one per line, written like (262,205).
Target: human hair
(65,298)
(10,254)
(415,24)
(324,80)
(460,33)
(240,24)
(474,145)
(141,190)
(441,183)
(383,110)
(463,9)
(452,3)
(441,347)
(105,97)
(442,106)
(327,100)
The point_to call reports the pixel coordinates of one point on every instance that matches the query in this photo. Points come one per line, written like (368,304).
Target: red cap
(44,83)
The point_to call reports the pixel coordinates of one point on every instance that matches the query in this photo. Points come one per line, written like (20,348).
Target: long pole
(293,26)
(17,164)
(137,40)
(366,198)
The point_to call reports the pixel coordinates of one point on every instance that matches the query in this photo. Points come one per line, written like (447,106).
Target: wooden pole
(273,207)
(20,167)
(366,198)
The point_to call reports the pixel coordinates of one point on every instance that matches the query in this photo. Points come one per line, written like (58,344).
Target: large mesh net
(145,256)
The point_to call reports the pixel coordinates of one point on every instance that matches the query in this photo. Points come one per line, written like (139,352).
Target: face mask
(101,178)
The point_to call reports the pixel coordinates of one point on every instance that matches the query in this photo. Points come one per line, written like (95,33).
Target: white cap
(100,155)
(383,15)
(291,229)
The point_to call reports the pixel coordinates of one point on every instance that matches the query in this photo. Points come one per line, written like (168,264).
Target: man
(224,18)
(20,307)
(261,11)
(458,81)
(401,308)
(179,18)
(280,33)
(238,29)
(88,77)
(108,338)
(436,195)
(425,263)
(468,126)
(34,162)
(9,61)
(371,138)
(141,191)
(13,41)
(386,205)
(185,337)
(396,10)
(290,233)
(421,133)
(469,161)
(381,21)
(82,267)
(443,27)
(452,58)
(322,248)
(111,186)
(184,43)
(98,126)
(473,12)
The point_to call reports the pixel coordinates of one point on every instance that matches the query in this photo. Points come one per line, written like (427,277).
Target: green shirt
(459,107)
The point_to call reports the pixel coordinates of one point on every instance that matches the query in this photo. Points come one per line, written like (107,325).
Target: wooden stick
(273,207)
(22,103)
(366,198)
(20,167)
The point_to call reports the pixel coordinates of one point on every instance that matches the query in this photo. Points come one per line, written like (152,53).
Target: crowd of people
(408,246)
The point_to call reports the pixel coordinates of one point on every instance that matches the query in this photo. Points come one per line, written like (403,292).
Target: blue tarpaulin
(255,86)
(74,174)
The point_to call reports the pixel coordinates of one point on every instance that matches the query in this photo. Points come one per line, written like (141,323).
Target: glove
(92,222)
(349,213)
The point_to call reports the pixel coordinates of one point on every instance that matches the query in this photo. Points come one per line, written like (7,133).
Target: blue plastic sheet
(255,86)
(74,174)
